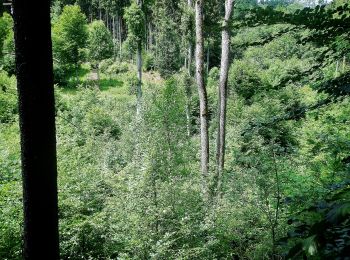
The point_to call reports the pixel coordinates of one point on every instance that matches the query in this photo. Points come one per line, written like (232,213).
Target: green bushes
(8,98)
(112,68)
(7,48)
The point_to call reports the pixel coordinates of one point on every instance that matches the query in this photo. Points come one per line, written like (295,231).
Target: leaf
(338,213)
(310,245)
(295,251)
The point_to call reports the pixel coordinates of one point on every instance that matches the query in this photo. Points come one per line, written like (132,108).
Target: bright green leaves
(135,20)
(7,46)
(8,98)
(100,43)
(69,35)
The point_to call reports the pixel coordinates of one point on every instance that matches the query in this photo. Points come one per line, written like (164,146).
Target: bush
(131,82)
(60,74)
(118,67)
(8,98)
(105,64)
(148,61)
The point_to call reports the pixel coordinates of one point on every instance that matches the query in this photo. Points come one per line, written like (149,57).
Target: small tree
(100,43)
(69,36)
(135,20)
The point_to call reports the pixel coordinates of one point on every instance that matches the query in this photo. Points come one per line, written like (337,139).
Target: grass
(109,83)
(113,85)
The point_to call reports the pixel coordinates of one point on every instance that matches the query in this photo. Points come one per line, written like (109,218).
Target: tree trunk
(202,96)
(336,69)
(120,37)
(208,59)
(188,90)
(225,53)
(37,127)
(139,76)
(139,72)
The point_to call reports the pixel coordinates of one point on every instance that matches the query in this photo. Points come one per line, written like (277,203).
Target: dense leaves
(130,187)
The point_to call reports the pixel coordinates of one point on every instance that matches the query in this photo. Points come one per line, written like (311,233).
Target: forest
(174,129)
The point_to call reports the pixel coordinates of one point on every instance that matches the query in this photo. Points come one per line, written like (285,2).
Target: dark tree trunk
(2,9)
(37,126)
(203,100)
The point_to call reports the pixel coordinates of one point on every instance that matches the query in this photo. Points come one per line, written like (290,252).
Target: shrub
(8,98)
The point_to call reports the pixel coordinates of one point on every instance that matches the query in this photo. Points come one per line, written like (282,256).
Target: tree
(69,35)
(187,30)
(203,100)
(135,20)
(100,43)
(6,24)
(225,64)
(37,127)
(167,58)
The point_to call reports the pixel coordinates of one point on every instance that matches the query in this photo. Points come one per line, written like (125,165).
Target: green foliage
(167,60)
(322,229)
(10,192)
(131,82)
(130,187)
(69,36)
(8,98)
(100,43)
(148,62)
(5,28)
(112,68)
(135,20)
(7,48)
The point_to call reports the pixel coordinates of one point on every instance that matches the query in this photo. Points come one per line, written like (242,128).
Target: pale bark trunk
(336,69)
(202,96)
(120,38)
(139,77)
(225,51)
(208,59)
(150,39)
(188,91)
(139,71)
(113,27)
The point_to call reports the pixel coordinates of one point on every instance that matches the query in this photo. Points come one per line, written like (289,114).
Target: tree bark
(188,90)
(139,76)
(202,95)
(139,71)
(225,53)
(208,58)
(37,127)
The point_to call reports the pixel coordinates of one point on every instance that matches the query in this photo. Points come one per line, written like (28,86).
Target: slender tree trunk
(188,90)
(120,38)
(208,59)
(150,37)
(37,127)
(202,95)
(277,211)
(139,71)
(114,31)
(139,76)
(90,12)
(336,69)
(225,53)
(98,75)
